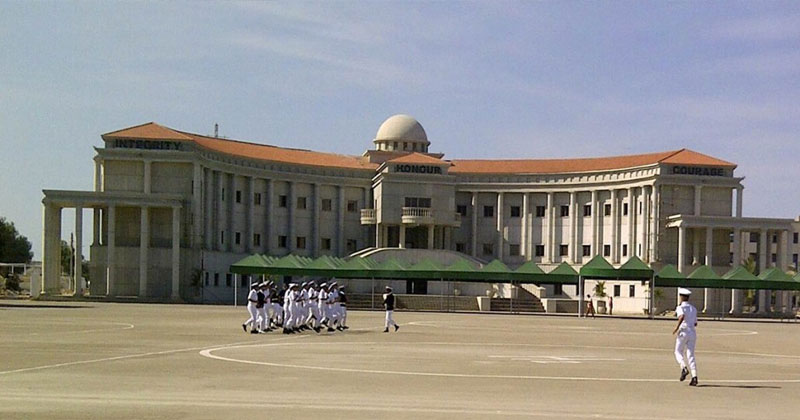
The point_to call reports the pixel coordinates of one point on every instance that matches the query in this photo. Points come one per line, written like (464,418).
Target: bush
(12,283)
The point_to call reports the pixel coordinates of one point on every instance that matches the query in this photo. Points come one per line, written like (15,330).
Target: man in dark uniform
(388,303)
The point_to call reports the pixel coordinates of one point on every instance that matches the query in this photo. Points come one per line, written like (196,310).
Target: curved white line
(209,353)
(591,330)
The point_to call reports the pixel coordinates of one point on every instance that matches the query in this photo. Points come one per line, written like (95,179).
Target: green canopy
(425,269)
(460,270)
(389,269)
(562,274)
(599,268)
(356,268)
(775,279)
(635,269)
(669,276)
(254,264)
(529,273)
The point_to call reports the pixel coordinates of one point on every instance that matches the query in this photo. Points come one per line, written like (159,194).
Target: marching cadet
(261,308)
(388,303)
(289,310)
(687,337)
(313,307)
(252,300)
(342,309)
(276,318)
(323,304)
(333,315)
(302,308)
(282,303)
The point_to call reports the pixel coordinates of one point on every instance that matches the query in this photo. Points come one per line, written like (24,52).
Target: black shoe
(396,327)
(386,330)
(345,327)
(693,382)
(285,331)
(317,330)
(331,329)
(244,327)
(254,331)
(684,374)
(340,328)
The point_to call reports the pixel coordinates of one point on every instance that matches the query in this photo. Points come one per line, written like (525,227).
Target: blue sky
(485,79)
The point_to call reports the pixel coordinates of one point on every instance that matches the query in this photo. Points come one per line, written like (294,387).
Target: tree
(14,248)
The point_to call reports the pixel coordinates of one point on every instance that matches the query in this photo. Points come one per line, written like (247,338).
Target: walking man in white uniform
(687,337)
(388,303)
(252,300)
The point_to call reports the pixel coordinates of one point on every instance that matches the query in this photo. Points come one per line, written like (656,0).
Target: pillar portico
(615,242)
(631,224)
(645,254)
(696,246)
(550,242)
(682,249)
(144,249)
(315,202)
(525,239)
(51,249)
(474,231)
(595,231)
(736,294)
(78,270)
(249,199)
(402,240)
(698,193)
(111,244)
(763,246)
(340,221)
(291,207)
(269,229)
(500,228)
(573,227)
(709,294)
(176,249)
(430,236)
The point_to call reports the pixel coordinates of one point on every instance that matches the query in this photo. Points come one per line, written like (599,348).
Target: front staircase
(524,302)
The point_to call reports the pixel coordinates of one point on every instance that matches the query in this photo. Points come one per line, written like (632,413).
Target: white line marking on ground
(125,326)
(547,360)
(708,332)
(209,353)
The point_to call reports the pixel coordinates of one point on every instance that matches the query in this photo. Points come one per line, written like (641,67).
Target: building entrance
(417,237)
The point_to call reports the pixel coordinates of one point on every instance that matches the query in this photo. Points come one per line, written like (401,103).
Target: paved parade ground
(126,361)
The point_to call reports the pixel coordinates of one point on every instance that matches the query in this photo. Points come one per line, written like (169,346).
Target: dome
(401,127)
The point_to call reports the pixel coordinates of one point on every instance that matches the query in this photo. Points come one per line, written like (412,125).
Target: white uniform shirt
(333,296)
(689,313)
(304,296)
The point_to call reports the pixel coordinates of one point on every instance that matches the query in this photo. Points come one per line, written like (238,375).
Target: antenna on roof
(216,130)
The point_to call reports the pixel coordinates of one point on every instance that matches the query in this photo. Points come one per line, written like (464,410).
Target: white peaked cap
(684,292)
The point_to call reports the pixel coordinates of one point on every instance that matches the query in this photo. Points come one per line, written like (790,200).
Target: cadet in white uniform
(252,300)
(261,307)
(388,303)
(289,309)
(313,306)
(687,337)
(323,303)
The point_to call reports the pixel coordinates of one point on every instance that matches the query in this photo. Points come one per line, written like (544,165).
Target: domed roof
(403,128)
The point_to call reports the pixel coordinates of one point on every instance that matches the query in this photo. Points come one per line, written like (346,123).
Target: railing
(368,217)
(417,215)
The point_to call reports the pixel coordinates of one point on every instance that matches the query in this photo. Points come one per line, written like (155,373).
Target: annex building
(172,210)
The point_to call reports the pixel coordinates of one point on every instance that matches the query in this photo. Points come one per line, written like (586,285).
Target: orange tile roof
(147,131)
(417,157)
(548,166)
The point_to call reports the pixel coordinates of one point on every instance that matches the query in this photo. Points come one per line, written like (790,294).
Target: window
(352,206)
(216,279)
(301,203)
(563,250)
(352,246)
(624,250)
(394,146)
(607,210)
(283,241)
(539,250)
(257,239)
(515,211)
(229,280)
(774,258)
(606,250)
(257,199)
(223,194)
(222,237)
(488,249)
(564,211)
(794,260)
(775,238)
(488,211)
(326,244)
(513,250)
(624,209)
(539,211)
(796,237)
(641,209)
(558,289)
(238,196)
(238,238)
(417,202)
(461,247)
(730,258)
(301,242)
(587,250)
(326,204)
(753,237)
(462,210)
(282,200)
(587,210)
(414,146)
(632,290)
(617,290)
(206,279)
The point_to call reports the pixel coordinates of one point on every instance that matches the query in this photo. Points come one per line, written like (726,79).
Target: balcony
(368,217)
(417,216)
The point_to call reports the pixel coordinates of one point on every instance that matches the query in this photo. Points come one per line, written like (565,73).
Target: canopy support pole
(441,299)
(235,290)
(511,292)
(581,302)
(652,304)
(372,295)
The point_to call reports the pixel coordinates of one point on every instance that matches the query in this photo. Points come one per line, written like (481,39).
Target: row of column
(639,231)
(218,215)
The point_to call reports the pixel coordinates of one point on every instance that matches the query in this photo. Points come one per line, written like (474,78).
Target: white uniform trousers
(389,320)
(251,308)
(343,314)
(287,315)
(263,320)
(313,312)
(277,313)
(684,350)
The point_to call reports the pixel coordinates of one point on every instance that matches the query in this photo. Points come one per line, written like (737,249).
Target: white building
(174,209)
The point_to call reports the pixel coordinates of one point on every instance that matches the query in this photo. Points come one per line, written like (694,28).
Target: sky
(489,79)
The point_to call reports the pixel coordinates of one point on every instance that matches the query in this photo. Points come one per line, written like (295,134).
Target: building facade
(173,210)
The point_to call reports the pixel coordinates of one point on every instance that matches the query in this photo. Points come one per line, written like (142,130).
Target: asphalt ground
(146,361)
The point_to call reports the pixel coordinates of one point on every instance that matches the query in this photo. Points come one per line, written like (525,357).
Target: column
(499,238)
(111,250)
(208,212)
(682,249)
(595,231)
(698,191)
(615,240)
(474,224)
(315,202)
(695,246)
(573,227)
(763,247)
(340,221)
(655,222)
(197,207)
(549,242)
(144,249)
(147,177)
(51,248)
(645,220)
(783,264)
(631,225)
(98,174)
(219,177)
(176,252)
(739,191)
(231,199)
(709,294)
(378,235)
(525,239)
(736,294)
(430,236)
(78,250)
(98,186)
(250,221)
(269,229)
(402,241)
(366,204)
(291,207)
